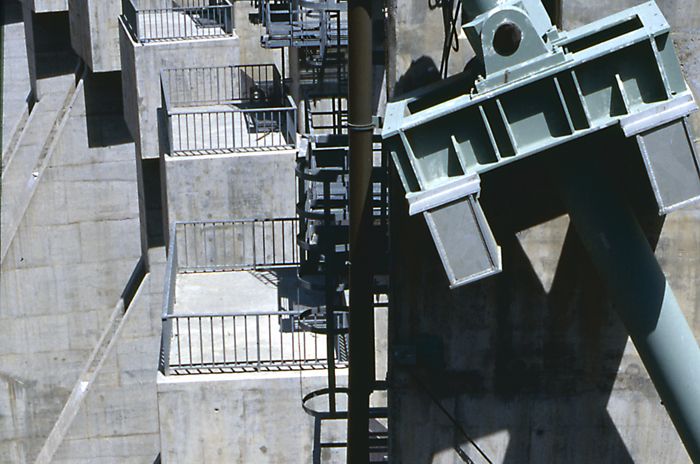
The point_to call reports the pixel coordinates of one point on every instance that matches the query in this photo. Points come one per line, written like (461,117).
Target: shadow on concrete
(153,201)
(290,296)
(421,73)
(11,12)
(537,364)
(53,52)
(104,111)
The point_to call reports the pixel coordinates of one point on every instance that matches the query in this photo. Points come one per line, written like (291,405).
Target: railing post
(257,338)
(255,261)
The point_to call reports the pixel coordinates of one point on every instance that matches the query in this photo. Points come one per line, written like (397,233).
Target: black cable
(451,42)
(451,418)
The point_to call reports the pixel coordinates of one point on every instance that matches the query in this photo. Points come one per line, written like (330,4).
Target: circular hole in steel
(507,38)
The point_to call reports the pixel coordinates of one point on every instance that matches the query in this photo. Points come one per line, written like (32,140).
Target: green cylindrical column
(645,302)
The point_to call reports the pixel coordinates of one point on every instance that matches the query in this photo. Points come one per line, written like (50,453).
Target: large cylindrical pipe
(360,127)
(636,283)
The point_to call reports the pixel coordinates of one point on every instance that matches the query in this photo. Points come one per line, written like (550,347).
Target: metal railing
(238,341)
(167,20)
(254,244)
(218,85)
(243,342)
(227,109)
(309,23)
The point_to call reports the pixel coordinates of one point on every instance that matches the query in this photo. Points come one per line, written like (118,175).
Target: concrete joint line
(15,138)
(105,346)
(44,158)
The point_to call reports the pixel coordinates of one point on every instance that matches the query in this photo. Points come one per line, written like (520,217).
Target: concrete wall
(47,6)
(537,366)
(249,36)
(49,52)
(95,33)
(117,421)
(141,66)
(239,186)
(74,251)
(16,88)
(419,37)
(255,417)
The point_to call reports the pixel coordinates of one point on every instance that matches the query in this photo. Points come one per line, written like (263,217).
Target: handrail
(244,342)
(197,20)
(168,301)
(234,84)
(235,314)
(209,110)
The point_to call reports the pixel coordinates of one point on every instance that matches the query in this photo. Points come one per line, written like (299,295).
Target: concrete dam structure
(330,231)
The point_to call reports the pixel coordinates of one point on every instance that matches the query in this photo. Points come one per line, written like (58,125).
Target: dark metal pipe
(360,127)
(621,253)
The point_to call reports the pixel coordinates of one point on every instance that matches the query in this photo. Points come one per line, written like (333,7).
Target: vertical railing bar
(269,334)
(264,240)
(211,325)
(189,339)
(245,325)
(201,123)
(284,239)
(303,334)
(223,337)
(225,258)
(257,330)
(282,337)
(274,246)
(201,342)
(235,342)
(179,353)
(205,260)
(187,131)
(255,261)
(292,338)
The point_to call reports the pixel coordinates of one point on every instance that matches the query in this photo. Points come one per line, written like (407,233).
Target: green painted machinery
(540,88)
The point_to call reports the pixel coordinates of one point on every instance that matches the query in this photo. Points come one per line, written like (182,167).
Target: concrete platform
(239,322)
(238,291)
(141,66)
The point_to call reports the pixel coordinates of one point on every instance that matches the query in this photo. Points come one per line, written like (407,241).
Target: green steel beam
(636,283)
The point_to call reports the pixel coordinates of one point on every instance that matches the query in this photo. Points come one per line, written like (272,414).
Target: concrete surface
(16,88)
(255,185)
(233,292)
(117,419)
(49,52)
(95,33)
(254,417)
(240,339)
(47,6)
(538,369)
(141,66)
(31,153)
(249,36)
(74,250)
